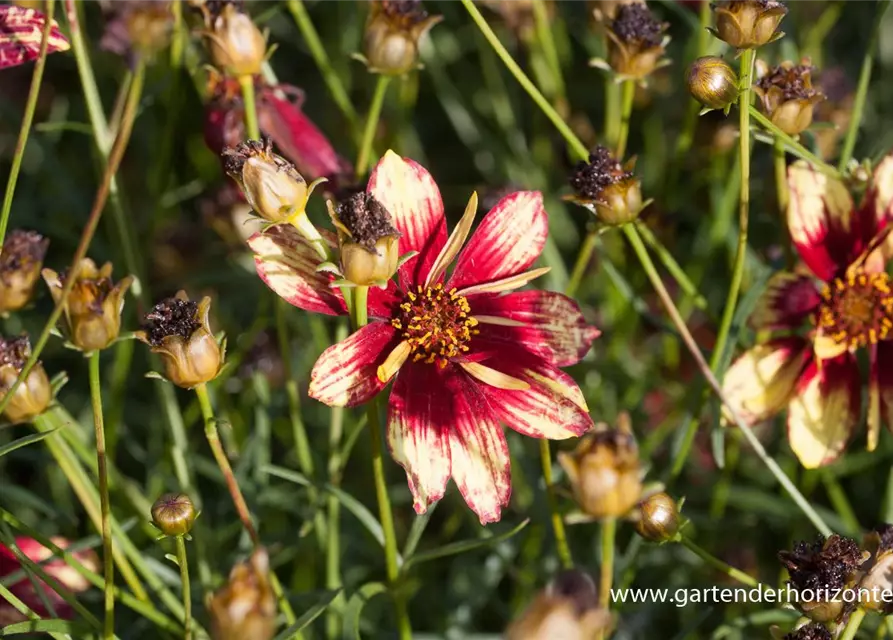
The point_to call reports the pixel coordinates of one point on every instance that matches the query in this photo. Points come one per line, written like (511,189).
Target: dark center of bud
(405,13)
(591,178)
(857,310)
(636,23)
(14,352)
(822,564)
(367,220)
(234,159)
(21,250)
(436,324)
(812,631)
(171,317)
(795,82)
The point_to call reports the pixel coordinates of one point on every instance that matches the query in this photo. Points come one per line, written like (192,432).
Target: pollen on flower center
(436,324)
(857,310)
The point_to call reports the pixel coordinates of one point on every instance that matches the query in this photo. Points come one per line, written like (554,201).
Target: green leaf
(310,615)
(455,548)
(415,533)
(75,629)
(24,442)
(355,607)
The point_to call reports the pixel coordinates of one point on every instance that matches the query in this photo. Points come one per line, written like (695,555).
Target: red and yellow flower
(843,298)
(466,352)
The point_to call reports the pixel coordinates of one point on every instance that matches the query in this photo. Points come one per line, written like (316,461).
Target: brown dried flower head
(34,395)
(878,570)
(605,11)
(607,188)
(174,514)
(604,470)
(712,82)
(234,43)
(636,42)
(367,238)
(141,27)
(177,329)
(788,97)
(657,518)
(811,631)
(20,261)
(748,24)
(245,607)
(93,308)
(393,31)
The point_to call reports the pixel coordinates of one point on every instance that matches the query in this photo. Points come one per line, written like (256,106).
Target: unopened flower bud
(245,607)
(173,514)
(747,24)
(877,582)
(33,396)
(177,330)
(604,471)
(712,82)
(367,238)
(393,31)
(788,97)
(607,188)
(20,262)
(657,518)
(636,42)
(93,308)
(235,44)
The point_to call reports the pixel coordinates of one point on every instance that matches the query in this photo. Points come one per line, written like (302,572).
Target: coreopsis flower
(137,27)
(823,569)
(20,261)
(177,330)
(843,303)
(234,43)
(93,308)
(567,609)
(21,32)
(712,82)
(636,43)
(245,607)
(877,581)
(607,188)
(464,358)
(367,240)
(657,518)
(810,631)
(748,24)
(174,514)
(604,471)
(393,31)
(788,97)
(34,395)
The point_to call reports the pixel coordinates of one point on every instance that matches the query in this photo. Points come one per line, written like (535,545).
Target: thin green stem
(561,545)
(673,267)
(626,110)
(849,143)
(853,624)
(792,145)
(365,153)
(183,563)
(606,571)
(781,170)
(546,42)
(584,257)
(30,106)
(719,565)
(385,513)
(246,83)
(105,509)
(333,508)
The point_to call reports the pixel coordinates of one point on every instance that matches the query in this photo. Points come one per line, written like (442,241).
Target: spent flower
(636,43)
(748,24)
(245,607)
(877,579)
(34,395)
(234,43)
(810,631)
(20,261)
(367,240)
(788,97)
(393,31)
(137,27)
(607,188)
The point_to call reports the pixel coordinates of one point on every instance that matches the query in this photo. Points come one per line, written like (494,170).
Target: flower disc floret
(436,323)
(857,310)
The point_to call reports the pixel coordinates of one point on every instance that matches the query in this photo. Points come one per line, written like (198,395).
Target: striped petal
(761,381)
(21,34)
(544,323)
(876,212)
(824,411)
(346,374)
(409,193)
(509,239)
(821,220)
(788,300)
(418,414)
(883,376)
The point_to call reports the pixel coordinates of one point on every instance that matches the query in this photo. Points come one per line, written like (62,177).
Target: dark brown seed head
(636,23)
(812,631)
(14,351)
(823,564)
(591,178)
(171,317)
(367,220)
(794,81)
(405,12)
(21,250)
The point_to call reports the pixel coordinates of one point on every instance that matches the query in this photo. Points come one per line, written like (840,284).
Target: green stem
(584,257)
(183,563)
(27,119)
(792,145)
(105,509)
(246,83)
(673,267)
(781,179)
(561,545)
(626,110)
(853,624)
(333,508)
(385,513)
(546,43)
(606,572)
(719,565)
(365,153)
(849,142)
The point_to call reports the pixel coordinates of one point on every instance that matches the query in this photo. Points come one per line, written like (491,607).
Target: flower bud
(607,189)
(33,396)
(657,518)
(93,308)
(177,330)
(173,514)
(788,97)
(712,82)
(748,24)
(604,471)
(877,582)
(636,42)
(393,31)
(234,43)
(20,262)
(367,239)
(271,184)
(245,607)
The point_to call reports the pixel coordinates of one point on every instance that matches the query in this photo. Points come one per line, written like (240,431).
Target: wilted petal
(418,419)
(509,239)
(821,220)
(760,382)
(409,193)
(21,33)
(787,301)
(824,411)
(544,323)
(346,374)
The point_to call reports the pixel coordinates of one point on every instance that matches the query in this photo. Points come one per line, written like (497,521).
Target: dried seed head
(712,82)
(747,24)
(605,187)
(174,514)
(34,395)
(877,581)
(245,607)
(636,23)
(635,42)
(657,518)
(367,238)
(20,261)
(788,97)
(366,219)
(393,31)
(811,631)
(171,317)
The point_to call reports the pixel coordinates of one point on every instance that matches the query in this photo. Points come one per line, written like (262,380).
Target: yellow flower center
(857,310)
(436,324)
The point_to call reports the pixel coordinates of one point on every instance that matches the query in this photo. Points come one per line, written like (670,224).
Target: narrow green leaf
(415,533)
(355,607)
(75,629)
(24,442)
(455,548)
(310,615)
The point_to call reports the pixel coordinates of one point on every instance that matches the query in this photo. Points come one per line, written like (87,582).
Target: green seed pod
(712,82)
(174,514)
(658,518)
